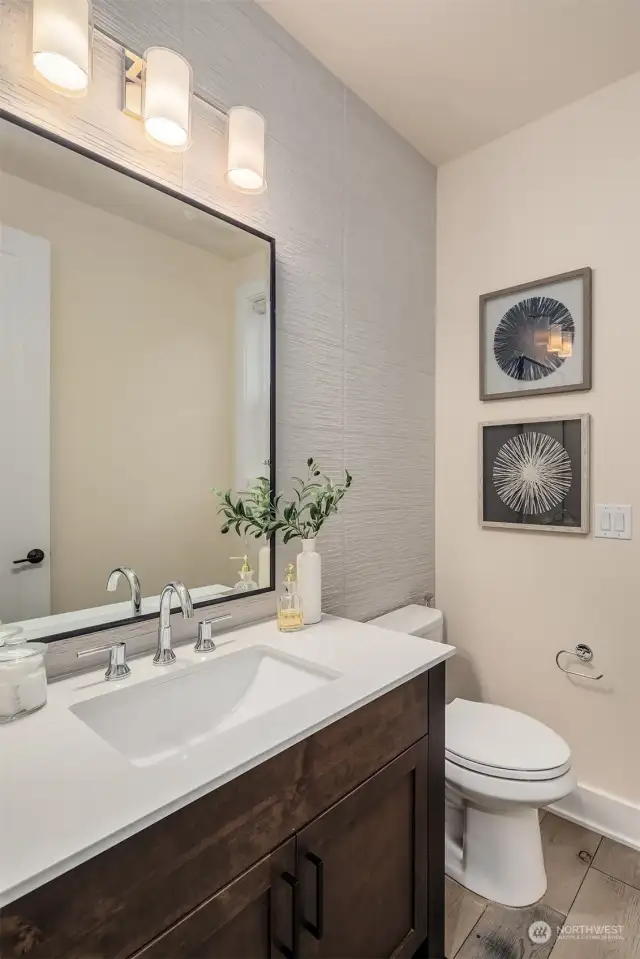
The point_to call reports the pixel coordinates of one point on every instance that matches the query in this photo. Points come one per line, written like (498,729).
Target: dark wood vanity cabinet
(333,849)
(363,867)
(350,884)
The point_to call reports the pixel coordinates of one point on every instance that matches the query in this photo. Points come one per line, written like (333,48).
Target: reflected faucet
(134,583)
(164,654)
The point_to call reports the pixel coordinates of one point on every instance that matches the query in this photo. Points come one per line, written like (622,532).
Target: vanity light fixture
(62,41)
(245,150)
(166,98)
(158,89)
(554,341)
(560,341)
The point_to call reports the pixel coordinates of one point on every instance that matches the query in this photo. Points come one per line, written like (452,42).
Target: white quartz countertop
(67,795)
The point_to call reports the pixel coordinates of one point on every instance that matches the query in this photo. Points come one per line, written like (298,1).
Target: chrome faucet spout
(164,653)
(134,584)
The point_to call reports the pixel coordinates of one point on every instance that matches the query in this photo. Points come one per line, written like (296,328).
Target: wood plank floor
(568,852)
(593,888)
(618,861)
(502,932)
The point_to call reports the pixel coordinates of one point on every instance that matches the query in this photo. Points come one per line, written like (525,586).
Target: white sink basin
(169,716)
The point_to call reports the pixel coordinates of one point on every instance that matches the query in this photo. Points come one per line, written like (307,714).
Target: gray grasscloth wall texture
(352,208)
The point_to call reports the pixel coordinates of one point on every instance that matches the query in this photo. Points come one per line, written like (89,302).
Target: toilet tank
(415,620)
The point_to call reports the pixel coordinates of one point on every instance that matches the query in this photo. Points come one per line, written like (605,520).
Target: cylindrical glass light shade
(62,43)
(566,349)
(554,344)
(166,108)
(245,150)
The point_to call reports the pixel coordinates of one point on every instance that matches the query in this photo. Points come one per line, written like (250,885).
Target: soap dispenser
(289,603)
(246,583)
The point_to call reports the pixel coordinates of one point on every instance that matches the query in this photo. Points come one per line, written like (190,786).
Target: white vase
(310,582)
(264,566)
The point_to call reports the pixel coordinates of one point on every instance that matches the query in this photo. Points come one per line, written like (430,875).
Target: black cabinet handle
(317,930)
(34,556)
(293,952)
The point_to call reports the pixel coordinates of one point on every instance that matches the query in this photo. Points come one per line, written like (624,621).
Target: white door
(253,420)
(25,271)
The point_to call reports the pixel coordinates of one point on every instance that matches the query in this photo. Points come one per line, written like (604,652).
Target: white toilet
(500,767)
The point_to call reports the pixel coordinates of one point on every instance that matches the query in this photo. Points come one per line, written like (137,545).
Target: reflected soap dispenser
(246,583)
(289,603)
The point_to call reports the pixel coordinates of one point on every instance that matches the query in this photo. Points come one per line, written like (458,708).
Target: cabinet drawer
(111,905)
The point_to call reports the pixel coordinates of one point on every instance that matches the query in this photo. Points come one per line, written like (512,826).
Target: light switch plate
(613,521)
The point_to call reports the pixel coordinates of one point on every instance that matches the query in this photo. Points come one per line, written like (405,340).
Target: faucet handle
(117,668)
(205,642)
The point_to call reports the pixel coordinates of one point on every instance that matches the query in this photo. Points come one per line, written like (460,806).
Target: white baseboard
(613,817)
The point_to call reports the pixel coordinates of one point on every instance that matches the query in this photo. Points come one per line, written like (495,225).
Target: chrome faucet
(164,654)
(134,584)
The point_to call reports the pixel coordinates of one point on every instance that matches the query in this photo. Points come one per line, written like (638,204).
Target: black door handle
(317,930)
(293,952)
(34,556)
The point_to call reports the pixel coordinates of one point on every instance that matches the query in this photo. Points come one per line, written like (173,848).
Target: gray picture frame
(585,275)
(584,486)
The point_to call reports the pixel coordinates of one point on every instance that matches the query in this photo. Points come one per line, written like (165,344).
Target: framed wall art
(536,338)
(534,474)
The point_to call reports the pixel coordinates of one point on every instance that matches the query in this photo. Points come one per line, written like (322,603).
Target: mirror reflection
(135,376)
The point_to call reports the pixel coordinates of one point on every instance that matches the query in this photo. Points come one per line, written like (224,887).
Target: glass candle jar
(23,677)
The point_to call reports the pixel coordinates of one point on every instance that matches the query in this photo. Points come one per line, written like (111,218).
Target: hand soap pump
(289,603)
(246,583)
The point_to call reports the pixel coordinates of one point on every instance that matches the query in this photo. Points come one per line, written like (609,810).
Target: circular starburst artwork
(532,473)
(521,339)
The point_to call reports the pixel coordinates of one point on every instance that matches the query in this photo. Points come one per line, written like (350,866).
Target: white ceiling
(450,75)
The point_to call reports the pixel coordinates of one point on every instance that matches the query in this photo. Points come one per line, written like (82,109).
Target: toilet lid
(501,742)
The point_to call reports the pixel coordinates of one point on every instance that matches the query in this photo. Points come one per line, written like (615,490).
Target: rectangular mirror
(136,374)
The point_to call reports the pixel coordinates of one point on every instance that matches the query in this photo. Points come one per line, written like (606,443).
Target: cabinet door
(251,918)
(363,867)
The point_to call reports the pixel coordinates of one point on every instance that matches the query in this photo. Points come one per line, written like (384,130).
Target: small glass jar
(23,677)
(246,583)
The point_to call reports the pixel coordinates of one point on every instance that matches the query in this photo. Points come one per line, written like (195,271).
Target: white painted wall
(352,208)
(559,194)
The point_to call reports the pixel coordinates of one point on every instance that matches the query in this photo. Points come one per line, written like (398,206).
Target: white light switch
(613,522)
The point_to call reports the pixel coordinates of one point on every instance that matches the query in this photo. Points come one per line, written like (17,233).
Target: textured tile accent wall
(352,208)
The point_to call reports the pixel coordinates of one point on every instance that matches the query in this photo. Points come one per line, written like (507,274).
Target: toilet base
(498,854)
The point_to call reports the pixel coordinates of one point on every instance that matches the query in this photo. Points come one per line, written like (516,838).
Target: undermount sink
(165,717)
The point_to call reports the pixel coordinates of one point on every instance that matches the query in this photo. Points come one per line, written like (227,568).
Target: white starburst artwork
(532,473)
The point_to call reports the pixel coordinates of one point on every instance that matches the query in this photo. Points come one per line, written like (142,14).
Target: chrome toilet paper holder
(584,653)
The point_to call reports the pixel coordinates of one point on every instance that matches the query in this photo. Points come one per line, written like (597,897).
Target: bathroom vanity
(314,828)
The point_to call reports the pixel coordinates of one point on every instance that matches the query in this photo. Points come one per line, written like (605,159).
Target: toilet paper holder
(584,654)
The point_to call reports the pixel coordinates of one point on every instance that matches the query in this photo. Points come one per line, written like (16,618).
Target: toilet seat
(503,743)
